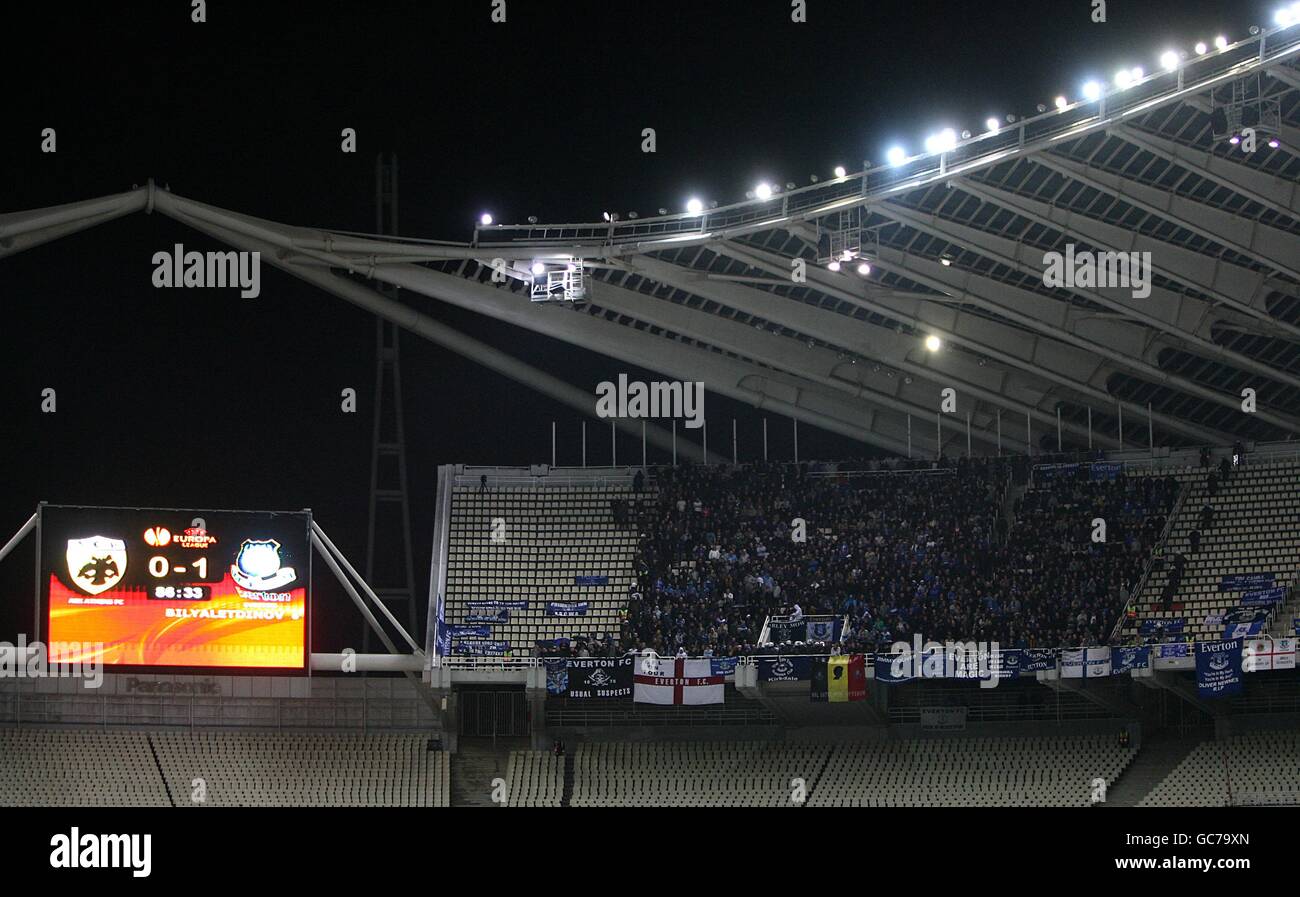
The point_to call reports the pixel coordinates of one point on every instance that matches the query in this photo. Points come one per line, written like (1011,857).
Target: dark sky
(198,398)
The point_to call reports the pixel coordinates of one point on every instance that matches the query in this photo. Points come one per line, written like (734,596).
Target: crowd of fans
(929,552)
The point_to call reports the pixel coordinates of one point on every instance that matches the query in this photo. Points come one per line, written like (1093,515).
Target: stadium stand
(1250,530)
(269,769)
(536,779)
(1050,771)
(898,553)
(552,536)
(691,774)
(1013,772)
(1259,768)
(69,768)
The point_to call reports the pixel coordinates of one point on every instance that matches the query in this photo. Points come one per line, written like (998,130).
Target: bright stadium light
(538,269)
(1092,91)
(1123,78)
(1062,102)
(1200,48)
(485,219)
(763,191)
(1284,17)
(933,343)
(1169,60)
(839,171)
(992,125)
(694,205)
(1137,73)
(1274,143)
(834,265)
(864,269)
(1221,42)
(943,142)
(896,155)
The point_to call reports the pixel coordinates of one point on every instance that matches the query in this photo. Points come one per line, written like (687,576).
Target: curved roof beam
(1163,316)
(850,334)
(1008,345)
(1233,286)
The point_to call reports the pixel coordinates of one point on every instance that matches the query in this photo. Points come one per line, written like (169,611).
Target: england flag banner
(676,680)
(1261,655)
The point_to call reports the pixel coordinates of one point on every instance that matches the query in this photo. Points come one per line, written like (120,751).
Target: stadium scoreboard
(160,588)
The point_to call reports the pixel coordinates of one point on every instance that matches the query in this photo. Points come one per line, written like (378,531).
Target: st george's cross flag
(669,680)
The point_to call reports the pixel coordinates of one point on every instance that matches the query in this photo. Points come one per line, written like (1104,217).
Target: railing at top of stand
(1263,452)
(1195,75)
(472,662)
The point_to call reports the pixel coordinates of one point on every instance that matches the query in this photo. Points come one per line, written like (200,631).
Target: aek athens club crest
(257,568)
(96,564)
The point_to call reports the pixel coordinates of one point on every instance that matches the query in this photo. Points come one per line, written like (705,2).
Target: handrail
(1185,491)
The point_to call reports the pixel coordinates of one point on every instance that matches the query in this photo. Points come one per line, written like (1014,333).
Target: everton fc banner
(566,608)
(676,680)
(1035,660)
(1218,668)
(1124,659)
(587,678)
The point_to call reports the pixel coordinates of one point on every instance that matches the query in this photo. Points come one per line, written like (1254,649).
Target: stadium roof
(955,242)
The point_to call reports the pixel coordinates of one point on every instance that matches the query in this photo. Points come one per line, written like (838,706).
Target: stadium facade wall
(259,702)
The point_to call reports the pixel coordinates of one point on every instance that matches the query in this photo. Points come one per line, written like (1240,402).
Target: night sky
(198,398)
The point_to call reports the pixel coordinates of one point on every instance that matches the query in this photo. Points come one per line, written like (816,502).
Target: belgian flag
(839,679)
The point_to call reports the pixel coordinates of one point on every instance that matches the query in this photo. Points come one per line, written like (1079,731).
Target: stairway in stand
(1158,757)
(474,767)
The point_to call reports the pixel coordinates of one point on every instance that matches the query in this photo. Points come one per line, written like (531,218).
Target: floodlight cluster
(946,139)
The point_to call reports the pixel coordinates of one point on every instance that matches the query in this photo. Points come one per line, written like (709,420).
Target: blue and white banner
(820,630)
(895,669)
(784,669)
(1181,649)
(566,608)
(1124,659)
(1263,598)
(442,641)
(468,632)
(591,580)
(501,616)
(1162,627)
(723,666)
(1218,668)
(492,606)
(1096,662)
(1008,663)
(1072,660)
(1237,582)
(1242,630)
(557,675)
(483,649)
(1035,660)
